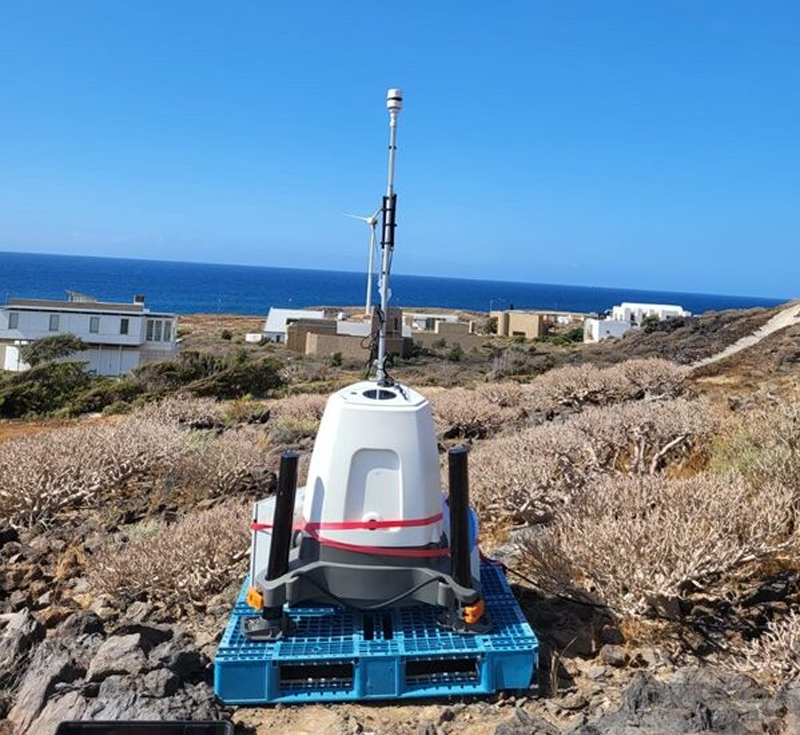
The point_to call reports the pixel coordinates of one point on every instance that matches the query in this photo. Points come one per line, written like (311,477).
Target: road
(785,318)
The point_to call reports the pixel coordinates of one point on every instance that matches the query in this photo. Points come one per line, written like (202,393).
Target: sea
(193,288)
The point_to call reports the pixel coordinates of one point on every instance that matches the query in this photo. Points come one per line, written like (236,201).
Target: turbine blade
(356,216)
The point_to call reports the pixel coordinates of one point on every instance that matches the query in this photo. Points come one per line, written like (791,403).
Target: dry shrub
(634,542)
(524,477)
(178,566)
(236,461)
(45,476)
(296,417)
(460,412)
(763,445)
(505,395)
(653,377)
(184,410)
(576,386)
(774,657)
(304,406)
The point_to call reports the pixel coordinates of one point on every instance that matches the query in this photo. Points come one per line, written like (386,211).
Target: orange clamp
(254,598)
(473,613)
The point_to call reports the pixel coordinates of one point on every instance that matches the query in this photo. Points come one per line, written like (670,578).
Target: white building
(120,337)
(279,319)
(628,312)
(595,330)
(427,322)
(628,316)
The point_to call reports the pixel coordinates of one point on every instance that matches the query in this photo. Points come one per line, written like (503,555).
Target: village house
(119,336)
(628,316)
(532,324)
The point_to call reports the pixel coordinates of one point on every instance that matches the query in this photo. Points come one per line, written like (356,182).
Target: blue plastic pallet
(339,654)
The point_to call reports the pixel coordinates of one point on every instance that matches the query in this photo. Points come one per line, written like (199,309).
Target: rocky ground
(65,654)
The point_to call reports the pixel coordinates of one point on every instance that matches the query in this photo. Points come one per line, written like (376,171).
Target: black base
(452,620)
(258,628)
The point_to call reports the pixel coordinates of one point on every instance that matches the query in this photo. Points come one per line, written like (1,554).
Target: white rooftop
(278,318)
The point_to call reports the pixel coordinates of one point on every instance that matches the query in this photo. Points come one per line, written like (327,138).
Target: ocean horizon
(191,288)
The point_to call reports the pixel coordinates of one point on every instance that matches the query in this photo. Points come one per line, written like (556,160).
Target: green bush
(52,348)
(103,392)
(43,389)
(455,354)
(570,337)
(226,334)
(258,379)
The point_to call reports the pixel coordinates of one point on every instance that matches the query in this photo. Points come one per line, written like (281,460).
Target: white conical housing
(375,459)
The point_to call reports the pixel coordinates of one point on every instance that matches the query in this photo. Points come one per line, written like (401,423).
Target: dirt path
(785,318)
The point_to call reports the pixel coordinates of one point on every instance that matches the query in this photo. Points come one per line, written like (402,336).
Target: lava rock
(52,664)
(118,655)
(18,633)
(690,700)
(613,656)
(533,725)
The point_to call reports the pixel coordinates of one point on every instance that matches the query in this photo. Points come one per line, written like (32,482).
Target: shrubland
(180,565)
(617,485)
(524,476)
(633,542)
(142,457)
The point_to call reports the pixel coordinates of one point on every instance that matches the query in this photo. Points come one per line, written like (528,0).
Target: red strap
(313,530)
(380,550)
(355,525)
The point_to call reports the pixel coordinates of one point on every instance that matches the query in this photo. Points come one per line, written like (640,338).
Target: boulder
(687,701)
(18,633)
(52,664)
(121,654)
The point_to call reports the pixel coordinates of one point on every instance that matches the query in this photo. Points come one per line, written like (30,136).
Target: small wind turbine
(372,221)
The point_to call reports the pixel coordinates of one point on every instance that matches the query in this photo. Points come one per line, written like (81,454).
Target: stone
(534,725)
(8,535)
(53,616)
(18,633)
(611,634)
(689,700)
(117,655)
(51,665)
(446,715)
(161,683)
(70,706)
(80,623)
(650,657)
(137,612)
(597,672)
(613,655)
(19,599)
(574,701)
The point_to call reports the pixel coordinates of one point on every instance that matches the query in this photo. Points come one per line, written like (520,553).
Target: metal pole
(394,103)
(371,268)
(282,523)
(460,563)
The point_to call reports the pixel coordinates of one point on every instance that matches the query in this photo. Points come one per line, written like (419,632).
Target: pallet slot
(293,676)
(443,669)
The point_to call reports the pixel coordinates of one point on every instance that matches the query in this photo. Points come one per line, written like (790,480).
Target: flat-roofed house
(631,312)
(120,337)
(279,319)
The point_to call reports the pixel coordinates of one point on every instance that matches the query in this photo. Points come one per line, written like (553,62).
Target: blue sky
(638,143)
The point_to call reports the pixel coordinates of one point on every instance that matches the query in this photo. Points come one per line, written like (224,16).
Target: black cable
(378,606)
(535,585)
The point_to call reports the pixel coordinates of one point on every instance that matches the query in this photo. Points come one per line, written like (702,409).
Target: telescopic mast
(394,103)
